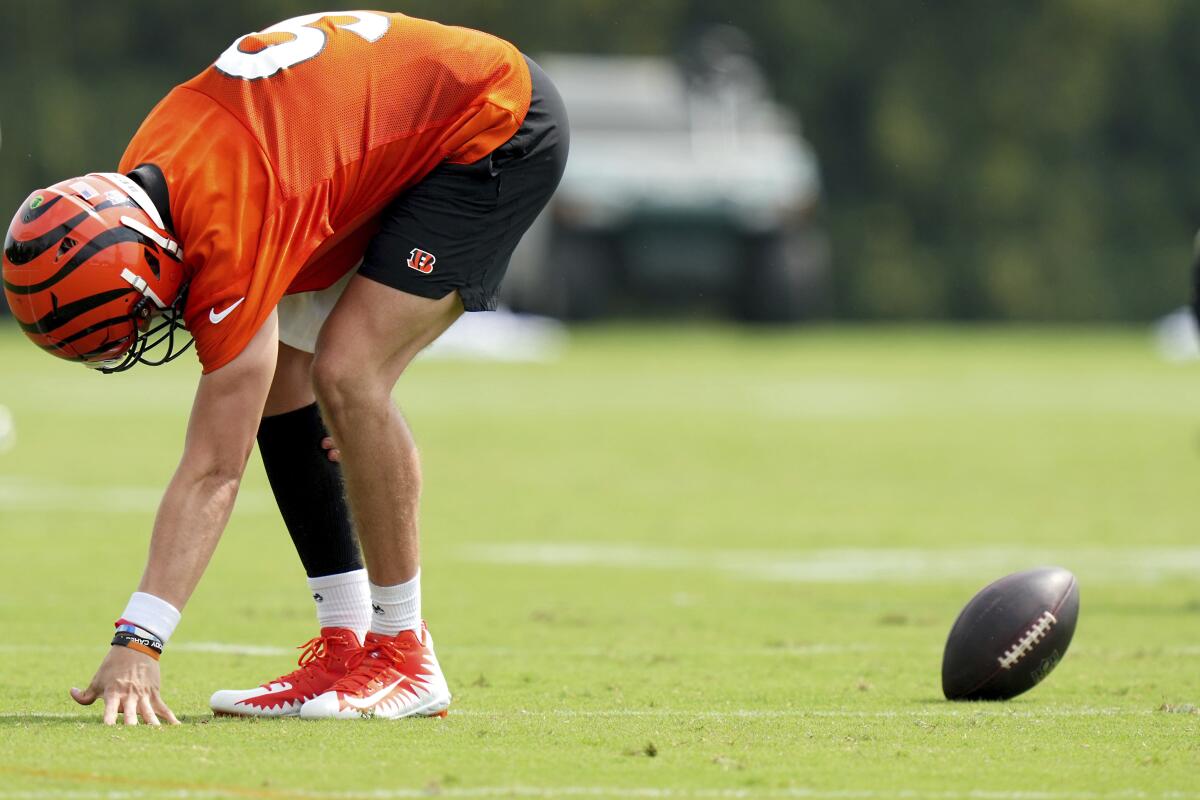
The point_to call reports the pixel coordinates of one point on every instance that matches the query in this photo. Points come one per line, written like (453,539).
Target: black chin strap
(154,183)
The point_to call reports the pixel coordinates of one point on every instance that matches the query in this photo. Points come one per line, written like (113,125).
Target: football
(1011,635)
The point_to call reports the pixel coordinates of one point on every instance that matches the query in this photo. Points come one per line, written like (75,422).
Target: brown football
(1011,635)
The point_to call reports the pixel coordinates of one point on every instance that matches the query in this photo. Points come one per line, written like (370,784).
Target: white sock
(396,608)
(343,601)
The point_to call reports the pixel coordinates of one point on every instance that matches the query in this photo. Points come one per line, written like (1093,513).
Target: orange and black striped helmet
(88,263)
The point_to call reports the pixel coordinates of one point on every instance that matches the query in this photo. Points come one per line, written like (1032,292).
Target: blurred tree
(1024,160)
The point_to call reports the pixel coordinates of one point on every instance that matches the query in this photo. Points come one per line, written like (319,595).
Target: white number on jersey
(308,43)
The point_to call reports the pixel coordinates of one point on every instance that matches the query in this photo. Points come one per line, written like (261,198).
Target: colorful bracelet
(151,647)
(137,638)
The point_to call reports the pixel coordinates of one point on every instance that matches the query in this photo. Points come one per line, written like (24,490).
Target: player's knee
(344,387)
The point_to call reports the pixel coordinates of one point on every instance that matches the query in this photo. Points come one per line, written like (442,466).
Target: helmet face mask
(156,329)
(93,276)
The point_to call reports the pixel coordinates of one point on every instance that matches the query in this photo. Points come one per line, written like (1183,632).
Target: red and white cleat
(325,660)
(391,678)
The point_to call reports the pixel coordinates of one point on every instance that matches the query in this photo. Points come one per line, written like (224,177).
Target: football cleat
(325,659)
(390,677)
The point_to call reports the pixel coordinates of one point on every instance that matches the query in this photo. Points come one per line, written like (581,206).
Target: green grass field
(679,562)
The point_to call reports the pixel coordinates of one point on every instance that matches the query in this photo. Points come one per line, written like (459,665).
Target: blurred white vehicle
(687,186)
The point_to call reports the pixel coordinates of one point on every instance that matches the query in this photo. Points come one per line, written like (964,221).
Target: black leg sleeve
(308,489)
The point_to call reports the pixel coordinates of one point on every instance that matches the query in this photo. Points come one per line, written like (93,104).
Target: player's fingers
(146,711)
(129,704)
(335,455)
(112,704)
(84,697)
(327,443)
(163,710)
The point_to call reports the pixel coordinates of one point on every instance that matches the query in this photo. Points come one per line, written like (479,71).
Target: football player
(314,209)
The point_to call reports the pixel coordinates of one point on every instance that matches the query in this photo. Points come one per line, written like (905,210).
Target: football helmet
(93,275)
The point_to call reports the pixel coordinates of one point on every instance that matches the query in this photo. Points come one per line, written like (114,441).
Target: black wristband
(143,644)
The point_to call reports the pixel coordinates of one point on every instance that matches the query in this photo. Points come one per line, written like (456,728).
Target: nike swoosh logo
(215,318)
(276,696)
(372,700)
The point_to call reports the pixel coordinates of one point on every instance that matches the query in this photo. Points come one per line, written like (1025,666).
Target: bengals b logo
(421,261)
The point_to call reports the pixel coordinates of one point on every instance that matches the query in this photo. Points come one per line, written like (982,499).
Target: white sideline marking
(855,565)
(815,649)
(226,648)
(806,649)
(943,712)
(518,790)
(793,650)
(816,713)
(271,651)
(18,494)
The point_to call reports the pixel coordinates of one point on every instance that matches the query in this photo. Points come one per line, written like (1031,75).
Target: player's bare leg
(292,386)
(365,345)
(370,338)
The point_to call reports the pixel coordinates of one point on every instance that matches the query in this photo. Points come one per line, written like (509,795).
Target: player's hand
(128,682)
(331,450)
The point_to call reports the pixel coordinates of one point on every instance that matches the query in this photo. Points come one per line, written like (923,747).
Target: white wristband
(152,613)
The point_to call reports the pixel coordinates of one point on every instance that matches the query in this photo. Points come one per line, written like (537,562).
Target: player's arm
(225,417)
(193,513)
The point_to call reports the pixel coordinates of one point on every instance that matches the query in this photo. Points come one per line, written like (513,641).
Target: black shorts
(458,227)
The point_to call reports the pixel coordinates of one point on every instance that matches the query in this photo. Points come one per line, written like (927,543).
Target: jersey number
(307,42)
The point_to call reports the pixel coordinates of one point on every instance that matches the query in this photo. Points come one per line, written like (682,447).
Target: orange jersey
(281,155)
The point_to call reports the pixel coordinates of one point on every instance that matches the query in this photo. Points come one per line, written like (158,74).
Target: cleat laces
(316,653)
(365,664)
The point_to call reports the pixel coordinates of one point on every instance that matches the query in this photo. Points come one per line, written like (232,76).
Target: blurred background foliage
(1017,160)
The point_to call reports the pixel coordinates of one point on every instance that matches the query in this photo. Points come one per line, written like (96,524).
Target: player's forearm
(225,416)
(190,520)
